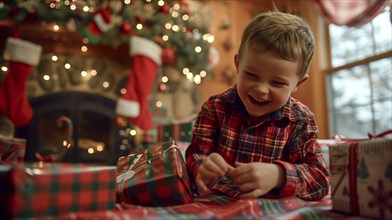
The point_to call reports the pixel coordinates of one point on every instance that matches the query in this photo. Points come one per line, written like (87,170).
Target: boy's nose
(262,88)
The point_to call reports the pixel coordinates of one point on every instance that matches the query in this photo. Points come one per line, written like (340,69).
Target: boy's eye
(279,83)
(251,74)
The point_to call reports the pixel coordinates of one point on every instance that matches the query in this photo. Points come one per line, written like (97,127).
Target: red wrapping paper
(154,177)
(36,190)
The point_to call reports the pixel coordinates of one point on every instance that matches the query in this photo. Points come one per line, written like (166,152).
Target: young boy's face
(265,81)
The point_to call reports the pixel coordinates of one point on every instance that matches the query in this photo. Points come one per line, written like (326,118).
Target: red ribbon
(383,134)
(353,161)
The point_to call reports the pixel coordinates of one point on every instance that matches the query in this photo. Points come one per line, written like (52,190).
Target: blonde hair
(289,36)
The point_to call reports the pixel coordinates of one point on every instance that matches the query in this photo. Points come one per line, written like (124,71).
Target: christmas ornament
(121,121)
(185,8)
(168,56)
(146,58)
(100,24)
(125,28)
(165,8)
(162,87)
(22,57)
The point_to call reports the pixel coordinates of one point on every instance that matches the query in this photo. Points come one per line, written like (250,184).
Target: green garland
(125,16)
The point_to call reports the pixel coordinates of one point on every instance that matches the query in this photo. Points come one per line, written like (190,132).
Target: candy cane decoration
(61,121)
(65,121)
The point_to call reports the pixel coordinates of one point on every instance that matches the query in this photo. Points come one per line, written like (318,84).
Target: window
(360,78)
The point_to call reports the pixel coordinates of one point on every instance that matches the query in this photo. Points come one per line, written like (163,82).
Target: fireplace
(96,138)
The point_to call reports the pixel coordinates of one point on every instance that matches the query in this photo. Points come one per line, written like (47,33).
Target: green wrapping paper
(36,190)
(12,150)
(154,177)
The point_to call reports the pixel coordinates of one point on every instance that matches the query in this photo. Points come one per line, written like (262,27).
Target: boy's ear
(304,78)
(236,62)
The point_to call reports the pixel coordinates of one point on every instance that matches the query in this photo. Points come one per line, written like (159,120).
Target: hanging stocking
(100,24)
(22,56)
(146,59)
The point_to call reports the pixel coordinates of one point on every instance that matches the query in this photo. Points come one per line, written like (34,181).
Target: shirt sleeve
(205,133)
(306,173)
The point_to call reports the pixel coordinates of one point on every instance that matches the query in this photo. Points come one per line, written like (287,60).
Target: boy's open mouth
(257,101)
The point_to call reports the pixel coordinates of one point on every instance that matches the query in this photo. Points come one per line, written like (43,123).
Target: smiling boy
(255,132)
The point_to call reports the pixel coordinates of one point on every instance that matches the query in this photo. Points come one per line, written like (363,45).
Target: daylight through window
(360,79)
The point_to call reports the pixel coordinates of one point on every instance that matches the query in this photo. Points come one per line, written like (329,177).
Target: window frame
(329,69)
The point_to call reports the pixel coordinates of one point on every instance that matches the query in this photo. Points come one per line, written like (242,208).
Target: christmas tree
(180,27)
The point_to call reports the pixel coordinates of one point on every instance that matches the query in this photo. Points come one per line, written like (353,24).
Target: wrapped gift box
(361,176)
(324,145)
(35,190)
(156,176)
(178,131)
(12,150)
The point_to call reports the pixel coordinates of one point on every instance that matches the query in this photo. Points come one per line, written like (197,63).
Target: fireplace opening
(96,138)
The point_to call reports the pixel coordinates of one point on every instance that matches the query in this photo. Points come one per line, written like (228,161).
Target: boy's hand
(212,168)
(257,179)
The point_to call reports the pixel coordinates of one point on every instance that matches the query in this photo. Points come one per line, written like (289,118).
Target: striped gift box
(361,175)
(35,190)
(12,150)
(154,177)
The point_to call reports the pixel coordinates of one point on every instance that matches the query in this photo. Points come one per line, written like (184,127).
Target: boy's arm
(202,144)
(306,174)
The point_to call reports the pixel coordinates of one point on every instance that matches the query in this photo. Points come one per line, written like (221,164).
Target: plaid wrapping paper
(361,175)
(176,131)
(212,205)
(155,177)
(12,150)
(49,189)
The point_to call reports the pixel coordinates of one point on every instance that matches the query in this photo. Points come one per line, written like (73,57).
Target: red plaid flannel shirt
(286,137)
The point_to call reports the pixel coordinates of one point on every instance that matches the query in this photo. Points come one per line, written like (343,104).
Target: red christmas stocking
(146,59)
(22,56)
